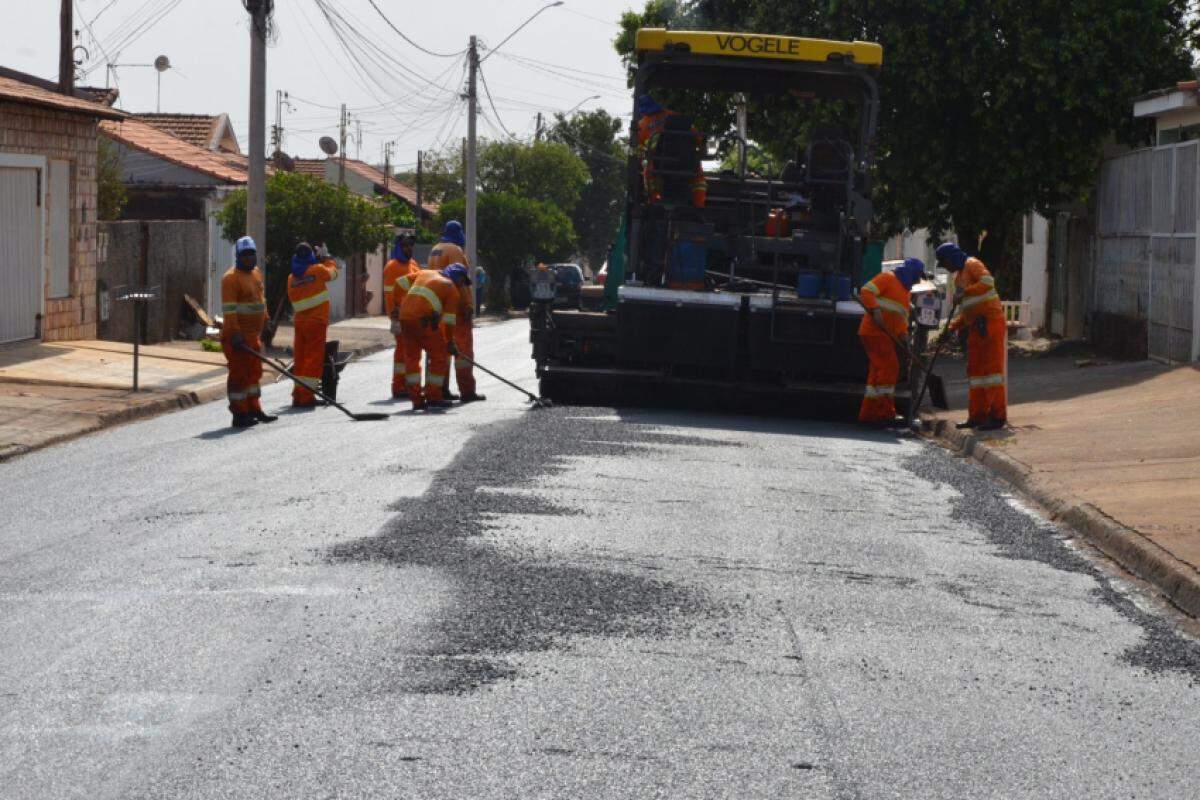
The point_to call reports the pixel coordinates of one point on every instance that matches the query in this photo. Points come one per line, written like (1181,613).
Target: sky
(395,92)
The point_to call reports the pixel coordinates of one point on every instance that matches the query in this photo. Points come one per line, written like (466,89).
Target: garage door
(21,253)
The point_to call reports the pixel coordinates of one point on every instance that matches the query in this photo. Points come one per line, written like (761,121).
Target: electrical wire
(487,93)
(403,36)
(518,29)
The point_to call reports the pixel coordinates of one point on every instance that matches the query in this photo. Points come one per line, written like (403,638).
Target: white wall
(1035,269)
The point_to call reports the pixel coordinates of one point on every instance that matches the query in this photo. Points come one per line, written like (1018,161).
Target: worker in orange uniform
(308,293)
(987,339)
(428,317)
(886,298)
(653,120)
(401,266)
(244,311)
(449,250)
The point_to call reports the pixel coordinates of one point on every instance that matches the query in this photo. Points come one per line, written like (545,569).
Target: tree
(305,208)
(594,137)
(513,231)
(989,110)
(546,171)
(110,187)
(441,175)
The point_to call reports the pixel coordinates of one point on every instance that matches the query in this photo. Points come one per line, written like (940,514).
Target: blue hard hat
(243,244)
(647,105)
(953,255)
(458,273)
(911,271)
(453,233)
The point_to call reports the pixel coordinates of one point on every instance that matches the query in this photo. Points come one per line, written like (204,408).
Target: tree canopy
(514,230)
(594,136)
(989,110)
(306,208)
(547,171)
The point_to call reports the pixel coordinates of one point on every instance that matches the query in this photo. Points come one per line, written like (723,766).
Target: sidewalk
(1112,448)
(53,392)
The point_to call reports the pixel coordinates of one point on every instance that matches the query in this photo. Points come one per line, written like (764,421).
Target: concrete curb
(1177,580)
(172,402)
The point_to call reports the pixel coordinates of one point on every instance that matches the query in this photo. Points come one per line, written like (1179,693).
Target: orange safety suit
(441,256)
(650,128)
(987,342)
(887,293)
(244,311)
(428,317)
(309,295)
(393,271)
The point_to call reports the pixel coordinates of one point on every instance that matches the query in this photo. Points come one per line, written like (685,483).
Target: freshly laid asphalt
(503,602)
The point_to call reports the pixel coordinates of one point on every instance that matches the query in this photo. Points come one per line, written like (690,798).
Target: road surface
(501,602)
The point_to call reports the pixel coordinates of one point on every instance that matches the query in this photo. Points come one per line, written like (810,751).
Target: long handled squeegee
(367,417)
(540,402)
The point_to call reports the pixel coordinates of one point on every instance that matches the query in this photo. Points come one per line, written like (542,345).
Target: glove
(321,252)
(395,327)
(962,337)
(980,326)
(877,316)
(452,348)
(238,340)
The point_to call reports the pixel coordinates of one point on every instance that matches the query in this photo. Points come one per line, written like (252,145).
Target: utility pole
(358,139)
(472,108)
(281,97)
(66,49)
(538,131)
(387,164)
(256,189)
(345,118)
(419,176)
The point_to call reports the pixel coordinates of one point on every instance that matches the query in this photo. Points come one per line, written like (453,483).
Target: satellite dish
(162,63)
(328,146)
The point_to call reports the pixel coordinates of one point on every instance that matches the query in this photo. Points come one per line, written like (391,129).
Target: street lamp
(581,102)
(517,30)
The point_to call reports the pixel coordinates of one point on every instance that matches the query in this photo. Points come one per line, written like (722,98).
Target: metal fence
(1146,250)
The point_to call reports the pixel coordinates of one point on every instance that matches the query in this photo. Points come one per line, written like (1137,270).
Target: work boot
(437,405)
(971,423)
(993,424)
(449,396)
(262,416)
(473,397)
(418,405)
(241,420)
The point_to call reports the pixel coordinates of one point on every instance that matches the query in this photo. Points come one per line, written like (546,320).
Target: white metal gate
(21,246)
(1146,245)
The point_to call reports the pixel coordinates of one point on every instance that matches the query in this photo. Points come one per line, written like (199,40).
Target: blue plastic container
(687,264)
(808,285)
(839,286)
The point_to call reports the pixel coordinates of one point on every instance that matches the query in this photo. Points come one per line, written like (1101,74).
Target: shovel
(937,351)
(540,402)
(367,417)
(937,388)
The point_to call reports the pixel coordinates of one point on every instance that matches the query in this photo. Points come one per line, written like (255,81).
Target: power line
(518,29)
(403,36)
(488,94)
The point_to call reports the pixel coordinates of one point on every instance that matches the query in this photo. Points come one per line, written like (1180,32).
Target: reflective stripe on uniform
(450,319)
(404,283)
(892,306)
(988,280)
(237,395)
(870,286)
(983,381)
(413,377)
(435,380)
(254,390)
(880,391)
(968,302)
(311,383)
(310,302)
(398,367)
(430,297)
(229,308)
(461,364)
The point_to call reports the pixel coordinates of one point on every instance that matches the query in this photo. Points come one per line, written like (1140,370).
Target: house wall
(1035,272)
(55,135)
(169,255)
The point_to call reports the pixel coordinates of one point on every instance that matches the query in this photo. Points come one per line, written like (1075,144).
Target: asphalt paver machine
(751,291)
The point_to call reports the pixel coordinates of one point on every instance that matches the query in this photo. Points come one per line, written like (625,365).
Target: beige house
(47,210)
